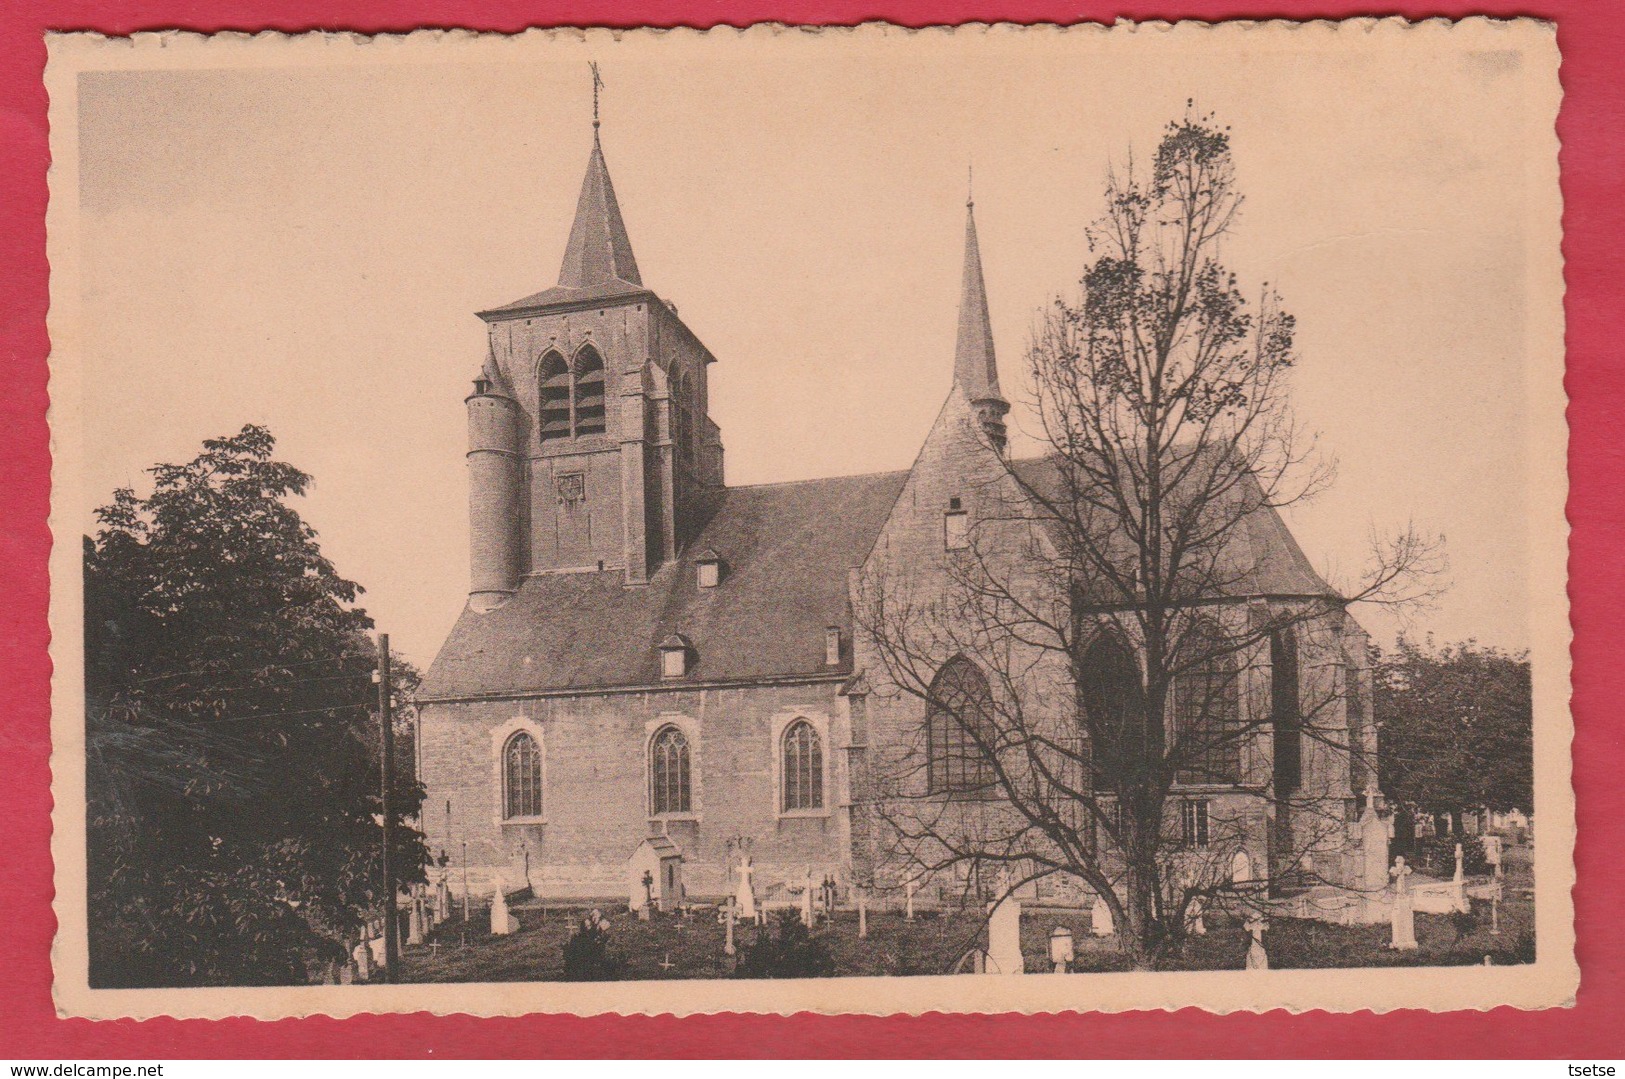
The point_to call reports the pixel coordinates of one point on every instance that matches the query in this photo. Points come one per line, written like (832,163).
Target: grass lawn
(670,946)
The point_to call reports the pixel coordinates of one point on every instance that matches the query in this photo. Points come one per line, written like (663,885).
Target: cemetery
(516,937)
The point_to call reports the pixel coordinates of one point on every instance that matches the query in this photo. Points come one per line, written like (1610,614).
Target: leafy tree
(1097,614)
(231,766)
(1457,726)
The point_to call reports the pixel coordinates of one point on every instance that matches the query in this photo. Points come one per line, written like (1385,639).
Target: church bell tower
(590,444)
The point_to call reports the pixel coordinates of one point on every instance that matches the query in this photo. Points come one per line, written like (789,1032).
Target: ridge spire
(976,370)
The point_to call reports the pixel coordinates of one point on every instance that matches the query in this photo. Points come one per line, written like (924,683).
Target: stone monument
(1257,957)
(1101,923)
(1403,917)
(1004,931)
(745,891)
(1374,864)
(807,899)
(501,922)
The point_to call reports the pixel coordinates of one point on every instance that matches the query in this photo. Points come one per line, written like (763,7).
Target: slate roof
(786,550)
(1263,555)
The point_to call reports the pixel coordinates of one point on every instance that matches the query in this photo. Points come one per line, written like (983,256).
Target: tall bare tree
(1131,623)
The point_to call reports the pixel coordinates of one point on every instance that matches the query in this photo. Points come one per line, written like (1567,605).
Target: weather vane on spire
(597,84)
(970,184)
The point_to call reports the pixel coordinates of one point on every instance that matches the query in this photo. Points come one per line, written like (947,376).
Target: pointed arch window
(521,777)
(1110,707)
(1285,711)
(553,398)
(959,730)
(670,789)
(683,419)
(588,395)
(1205,709)
(802,767)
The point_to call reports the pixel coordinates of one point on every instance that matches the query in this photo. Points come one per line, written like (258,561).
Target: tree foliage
(231,769)
(1111,598)
(1457,726)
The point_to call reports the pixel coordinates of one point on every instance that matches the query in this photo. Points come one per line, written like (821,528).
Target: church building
(649,654)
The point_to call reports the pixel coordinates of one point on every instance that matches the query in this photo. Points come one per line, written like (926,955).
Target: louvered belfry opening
(570,401)
(553,398)
(589,392)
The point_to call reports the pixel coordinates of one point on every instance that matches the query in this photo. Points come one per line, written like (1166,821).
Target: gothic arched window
(521,777)
(669,787)
(588,395)
(1205,709)
(1110,707)
(959,729)
(1285,711)
(803,767)
(553,398)
(683,419)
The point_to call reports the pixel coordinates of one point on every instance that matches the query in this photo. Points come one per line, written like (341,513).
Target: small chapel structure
(649,652)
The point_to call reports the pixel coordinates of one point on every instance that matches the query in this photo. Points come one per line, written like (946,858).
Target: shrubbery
(790,952)
(587,956)
(1437,856)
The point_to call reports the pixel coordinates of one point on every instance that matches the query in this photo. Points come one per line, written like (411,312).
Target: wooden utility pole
(386,733)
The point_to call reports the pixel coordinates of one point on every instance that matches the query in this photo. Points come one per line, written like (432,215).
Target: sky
(302,240)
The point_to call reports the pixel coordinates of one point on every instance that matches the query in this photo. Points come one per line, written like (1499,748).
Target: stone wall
(596,806)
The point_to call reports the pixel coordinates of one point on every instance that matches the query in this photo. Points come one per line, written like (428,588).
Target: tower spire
(599,252)
(975,369)
(597,84)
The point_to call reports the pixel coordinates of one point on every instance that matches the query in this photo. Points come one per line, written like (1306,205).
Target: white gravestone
(863,913)
(745,893)
(1374,841)
(1195,919)
(1004,932)
(415,930)
(1257,957)
(1492,851)
(1101,923)
(1403,919)
(1061,949)
(501,923)
(908,891)
(806,900)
